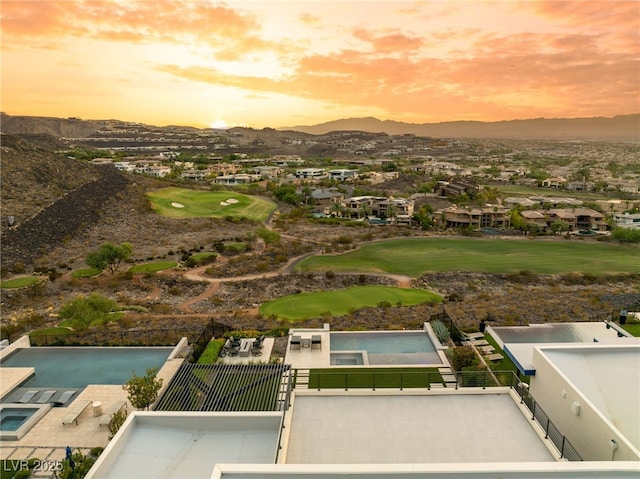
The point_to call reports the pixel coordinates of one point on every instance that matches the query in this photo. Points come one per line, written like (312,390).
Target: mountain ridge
(616,128)
(619,128)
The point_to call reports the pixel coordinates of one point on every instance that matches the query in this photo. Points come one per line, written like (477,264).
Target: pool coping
(42,410)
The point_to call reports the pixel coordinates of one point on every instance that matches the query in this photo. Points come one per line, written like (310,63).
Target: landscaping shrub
(117,420)
(463,357)
(441,331)
(211,352)
(83,311)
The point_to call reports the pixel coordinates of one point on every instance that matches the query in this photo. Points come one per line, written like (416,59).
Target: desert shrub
(268,236)
(81,312)
(463,357)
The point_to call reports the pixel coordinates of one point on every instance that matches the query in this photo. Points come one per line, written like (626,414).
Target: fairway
(414,257)
(186,203)
(342,301)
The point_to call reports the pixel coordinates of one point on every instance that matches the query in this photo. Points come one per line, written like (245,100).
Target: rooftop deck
(423,428)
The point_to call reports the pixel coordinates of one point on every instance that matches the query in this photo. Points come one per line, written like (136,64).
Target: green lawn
(523,190)
(186,203)
(152,267)
(340,302)
(368,378)
(19,282)
(203,256)
(414,257)
(86,273)
(633,328)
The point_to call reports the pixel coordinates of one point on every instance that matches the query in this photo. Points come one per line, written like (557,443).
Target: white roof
(400,429)
(608,378)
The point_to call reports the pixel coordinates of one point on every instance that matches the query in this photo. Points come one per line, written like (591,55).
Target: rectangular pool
(385,347)
(12,418)
(77,367)
(17,419)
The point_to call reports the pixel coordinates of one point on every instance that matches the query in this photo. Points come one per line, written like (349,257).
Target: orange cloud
(389,42)
(139,21)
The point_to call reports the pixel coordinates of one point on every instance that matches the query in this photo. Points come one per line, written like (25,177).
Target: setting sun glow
(286,63)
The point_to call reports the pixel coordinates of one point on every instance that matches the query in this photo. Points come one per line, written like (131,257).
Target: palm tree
(337,208)
(392,211)
(365,210)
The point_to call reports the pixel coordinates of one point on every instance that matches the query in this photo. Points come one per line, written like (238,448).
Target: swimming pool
(384,347)
(77,367)
(12,418)
(17,419)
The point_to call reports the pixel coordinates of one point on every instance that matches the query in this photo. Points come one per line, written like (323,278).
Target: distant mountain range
(617,128)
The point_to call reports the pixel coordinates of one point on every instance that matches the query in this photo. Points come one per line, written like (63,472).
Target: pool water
(68,367)
(385,347)
(12,418)
(347,359)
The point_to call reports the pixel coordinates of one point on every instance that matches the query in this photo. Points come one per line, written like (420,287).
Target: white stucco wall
(590,432)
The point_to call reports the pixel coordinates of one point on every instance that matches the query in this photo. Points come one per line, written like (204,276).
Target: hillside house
(535,218)
(452,189)
(473,217)
(325,198)
(268,172)
(554,182)
(195,175)
(238,179)
(311,173)
(343,175)
(224,168)
(628,220)
(578,218)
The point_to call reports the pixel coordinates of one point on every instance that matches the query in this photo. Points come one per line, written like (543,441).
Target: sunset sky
(283,63)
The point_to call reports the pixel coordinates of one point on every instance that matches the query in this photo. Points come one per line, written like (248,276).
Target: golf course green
(414,257)
(342,301)
(186,203)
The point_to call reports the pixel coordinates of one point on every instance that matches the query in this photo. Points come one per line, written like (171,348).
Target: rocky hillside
(33,177)
(49,196)
(57,127)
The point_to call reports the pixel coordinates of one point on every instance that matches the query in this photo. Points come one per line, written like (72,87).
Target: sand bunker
(224,203)
(177,205)
(232,201)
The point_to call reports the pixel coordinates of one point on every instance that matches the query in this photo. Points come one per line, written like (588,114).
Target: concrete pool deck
(307,357)
(48,438)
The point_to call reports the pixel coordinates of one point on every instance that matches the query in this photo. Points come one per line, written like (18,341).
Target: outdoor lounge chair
(115,408)
(494,357)
(27,397)
(316,341)
(256,347)
(64,397)
(74,414)
(46,397)
(295,342)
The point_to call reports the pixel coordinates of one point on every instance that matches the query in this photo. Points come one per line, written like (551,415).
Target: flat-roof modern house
(578,418)
(382,404)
